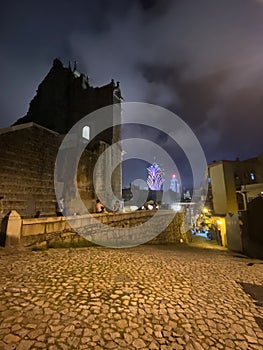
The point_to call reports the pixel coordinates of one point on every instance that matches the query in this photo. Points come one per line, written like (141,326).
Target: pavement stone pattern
(148,297)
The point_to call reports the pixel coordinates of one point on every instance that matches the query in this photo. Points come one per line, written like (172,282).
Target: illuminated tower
(155,178)
(174,185)
(155,182)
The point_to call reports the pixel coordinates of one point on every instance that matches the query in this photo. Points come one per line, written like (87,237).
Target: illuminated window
(86,132)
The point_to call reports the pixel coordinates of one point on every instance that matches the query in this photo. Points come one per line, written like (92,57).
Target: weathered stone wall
(45,231)
(27,159)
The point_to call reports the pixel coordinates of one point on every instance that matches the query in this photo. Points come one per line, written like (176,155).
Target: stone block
(13,229)
(33,228)
(57,226)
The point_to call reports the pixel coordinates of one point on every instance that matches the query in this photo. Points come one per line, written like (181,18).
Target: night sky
(201,59)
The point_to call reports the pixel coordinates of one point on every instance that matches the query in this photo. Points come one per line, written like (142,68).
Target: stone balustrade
(110,229)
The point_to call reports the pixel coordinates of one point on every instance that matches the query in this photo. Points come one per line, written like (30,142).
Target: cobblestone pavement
(148,297)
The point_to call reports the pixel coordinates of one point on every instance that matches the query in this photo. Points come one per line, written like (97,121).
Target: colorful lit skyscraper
(174,185)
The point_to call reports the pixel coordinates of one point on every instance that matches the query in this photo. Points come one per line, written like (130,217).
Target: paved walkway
(148,297)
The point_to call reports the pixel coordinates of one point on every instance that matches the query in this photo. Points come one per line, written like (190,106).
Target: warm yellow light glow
(205,210)
(219,222)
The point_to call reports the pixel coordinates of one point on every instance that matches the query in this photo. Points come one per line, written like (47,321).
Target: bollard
(13,229)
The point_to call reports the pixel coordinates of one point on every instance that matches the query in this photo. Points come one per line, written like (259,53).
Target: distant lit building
(232,184)
(155,177)
(187,196)
(174,184)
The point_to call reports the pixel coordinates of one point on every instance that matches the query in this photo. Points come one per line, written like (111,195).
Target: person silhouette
(99,206)
(116,207)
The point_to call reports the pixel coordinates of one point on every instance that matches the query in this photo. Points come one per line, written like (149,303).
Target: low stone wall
(116,230)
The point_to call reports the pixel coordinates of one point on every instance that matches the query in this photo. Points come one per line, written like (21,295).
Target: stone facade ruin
(29,147)
(65,96)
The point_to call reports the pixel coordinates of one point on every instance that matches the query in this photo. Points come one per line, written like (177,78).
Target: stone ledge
(57,229)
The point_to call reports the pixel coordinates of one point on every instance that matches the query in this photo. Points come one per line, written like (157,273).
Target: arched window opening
(86,132)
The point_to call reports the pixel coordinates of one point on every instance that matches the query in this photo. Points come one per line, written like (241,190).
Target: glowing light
(86,132)
(155,177)
(176,207)
(219,222)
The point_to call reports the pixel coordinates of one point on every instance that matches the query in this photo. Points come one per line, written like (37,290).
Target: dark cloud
(201,59)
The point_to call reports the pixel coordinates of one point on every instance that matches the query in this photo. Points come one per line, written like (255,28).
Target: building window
(252,176)
(86,132)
